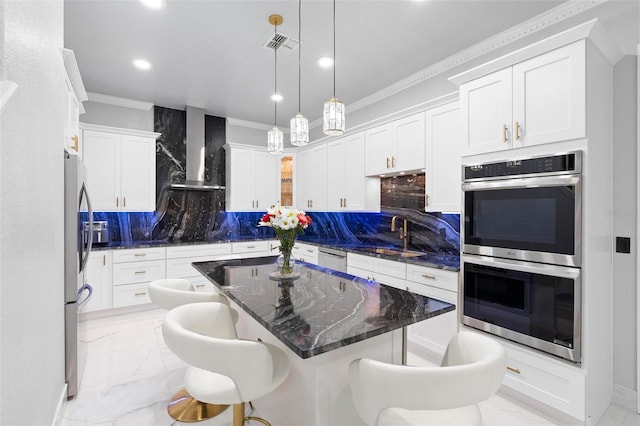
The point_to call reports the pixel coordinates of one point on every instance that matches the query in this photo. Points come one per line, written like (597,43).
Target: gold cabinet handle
(310,251)
(124,201)
(117,201)
(253,204)
(257,204)
(140,294)
(199,285)
(104,260)
(251,247)
(513,370)
(140,272)
(140,254)
(426,199)
(517,131)
(504,133)
(393,162)
(387,162)
(430,277)
(74,138)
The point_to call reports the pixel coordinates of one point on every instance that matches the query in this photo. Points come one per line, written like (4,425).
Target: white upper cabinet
(252,175)
(443,165)
(395,147)
(121,168)
(537,101)
(312,176)
(346,180)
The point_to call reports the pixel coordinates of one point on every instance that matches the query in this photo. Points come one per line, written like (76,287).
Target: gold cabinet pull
(345,203)
(257,204)
(517,131)
(200,285)
(140,254)
(393,162)
(426,200)
(124,201)
(430,277)
(504,133)
(140,272)
(140,294)
(74,138)
(513,370)
(104,260)
(251,247)
(387,162)
(117,201)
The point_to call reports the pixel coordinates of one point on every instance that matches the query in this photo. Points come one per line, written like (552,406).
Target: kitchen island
(324,319)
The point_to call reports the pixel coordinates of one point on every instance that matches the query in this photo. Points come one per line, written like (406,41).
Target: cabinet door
(443,165)
(138,173)
(354,178)
(336,177)
(409,140)
(319,178)
(549,97)
(304,173)
(240,189)
(379,150)
(434,333)
(98,276)
(485,105)
(101,157)
(265,175)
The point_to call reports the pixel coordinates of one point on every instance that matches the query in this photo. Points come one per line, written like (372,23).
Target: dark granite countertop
(433,260)
(323,309)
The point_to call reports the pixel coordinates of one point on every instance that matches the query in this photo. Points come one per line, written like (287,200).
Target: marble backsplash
(428,232)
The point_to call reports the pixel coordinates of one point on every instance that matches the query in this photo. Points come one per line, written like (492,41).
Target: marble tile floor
(129,374)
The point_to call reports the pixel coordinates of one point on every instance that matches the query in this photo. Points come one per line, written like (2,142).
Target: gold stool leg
(185,408)
(239,417)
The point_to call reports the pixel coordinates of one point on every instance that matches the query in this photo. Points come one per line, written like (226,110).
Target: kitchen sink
(392,252)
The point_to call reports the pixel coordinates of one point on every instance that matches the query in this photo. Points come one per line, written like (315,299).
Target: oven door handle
(516,183)
(522,266)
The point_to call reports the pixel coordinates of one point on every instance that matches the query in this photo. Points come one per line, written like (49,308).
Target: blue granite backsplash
(427,232)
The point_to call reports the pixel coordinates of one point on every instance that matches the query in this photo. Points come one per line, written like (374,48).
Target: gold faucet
(403,230)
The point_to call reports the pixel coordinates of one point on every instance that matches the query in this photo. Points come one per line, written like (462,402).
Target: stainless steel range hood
(195,154)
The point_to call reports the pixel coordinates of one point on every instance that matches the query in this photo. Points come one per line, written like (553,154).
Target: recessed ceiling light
(142,64)
(325,62)
(154,4)
(276,97)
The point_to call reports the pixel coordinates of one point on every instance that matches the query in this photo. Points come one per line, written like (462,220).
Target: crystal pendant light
(333,116)
(275,137)
(299,124)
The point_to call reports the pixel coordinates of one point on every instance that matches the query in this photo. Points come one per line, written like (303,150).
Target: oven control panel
(568,163)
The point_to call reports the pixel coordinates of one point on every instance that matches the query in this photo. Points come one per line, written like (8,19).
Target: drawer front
(182,268)
(250,247)
(551,382)
(390,281)
(306,258)
(446,280)
(435,292)
(360,261)
(306,250)
(390,268)
(141,254)
(131,294)
(137,272)
(200,250)
(357,272)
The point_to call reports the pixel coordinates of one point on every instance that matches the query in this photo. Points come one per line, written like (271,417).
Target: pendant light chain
(333,115)
(275,74)
(275,140)
(299,52)
(334,48)
(299,134)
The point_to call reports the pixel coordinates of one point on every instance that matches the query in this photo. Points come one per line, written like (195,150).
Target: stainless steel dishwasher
(332,259)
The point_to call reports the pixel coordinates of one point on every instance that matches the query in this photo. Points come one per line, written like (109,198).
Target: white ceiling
(210,54)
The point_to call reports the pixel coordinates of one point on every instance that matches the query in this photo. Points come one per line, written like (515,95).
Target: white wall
(117,116)
(624,215)
(31,213)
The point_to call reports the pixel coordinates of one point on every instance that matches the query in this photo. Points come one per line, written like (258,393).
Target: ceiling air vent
(282,42)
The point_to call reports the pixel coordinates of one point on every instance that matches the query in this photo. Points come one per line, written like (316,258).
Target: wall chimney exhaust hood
(195,154)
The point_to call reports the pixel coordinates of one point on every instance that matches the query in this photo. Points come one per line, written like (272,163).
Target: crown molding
(119,130)
(252,125)
(123,102)
(527,28)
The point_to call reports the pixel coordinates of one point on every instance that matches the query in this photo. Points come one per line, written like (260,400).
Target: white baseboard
(57,417)
(625,397)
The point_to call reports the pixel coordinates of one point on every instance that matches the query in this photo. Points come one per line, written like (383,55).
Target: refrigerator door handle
(89,290)
(85,251)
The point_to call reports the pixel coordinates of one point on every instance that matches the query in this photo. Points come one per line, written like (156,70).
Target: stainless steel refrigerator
(77,208)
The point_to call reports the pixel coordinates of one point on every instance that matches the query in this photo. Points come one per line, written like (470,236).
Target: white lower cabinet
(98,276)
(387,272)
(133,270)
(180,259)
(550,381)
(305,252)
(434,334)
(254,248)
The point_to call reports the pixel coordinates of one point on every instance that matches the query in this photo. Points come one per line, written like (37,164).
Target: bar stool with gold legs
(222,368)
(168,294)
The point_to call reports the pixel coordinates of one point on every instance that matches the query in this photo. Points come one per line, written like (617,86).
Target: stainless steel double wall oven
(521,244)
